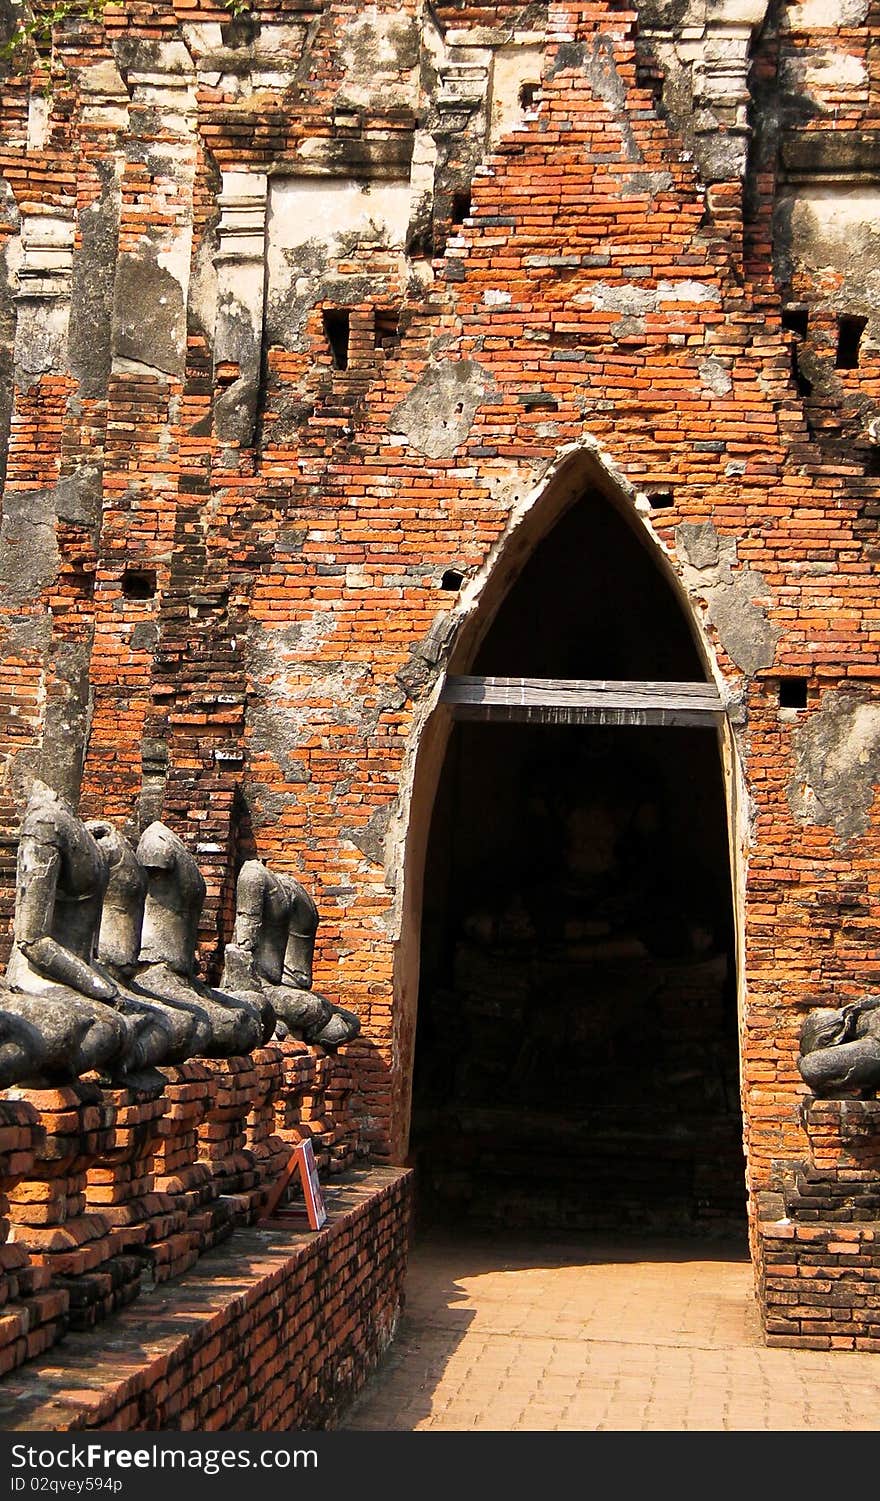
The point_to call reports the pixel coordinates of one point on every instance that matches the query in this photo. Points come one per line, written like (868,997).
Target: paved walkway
(503,1334)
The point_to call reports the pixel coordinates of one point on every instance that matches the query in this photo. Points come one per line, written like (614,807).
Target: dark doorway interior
(591,603)
(576,1052)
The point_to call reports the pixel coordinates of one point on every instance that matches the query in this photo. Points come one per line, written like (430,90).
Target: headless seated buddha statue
(167,960)
(840,1050)
(180,1028)
(272,951)
(59,1016)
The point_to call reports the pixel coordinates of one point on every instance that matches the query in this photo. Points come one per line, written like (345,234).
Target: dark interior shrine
(577,1046)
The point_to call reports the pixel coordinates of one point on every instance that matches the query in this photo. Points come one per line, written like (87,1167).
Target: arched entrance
(576,1052)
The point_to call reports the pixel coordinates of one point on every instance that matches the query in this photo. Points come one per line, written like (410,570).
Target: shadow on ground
(494,1316)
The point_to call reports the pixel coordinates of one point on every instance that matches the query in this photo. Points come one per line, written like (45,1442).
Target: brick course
(819,1264)
(274,1332)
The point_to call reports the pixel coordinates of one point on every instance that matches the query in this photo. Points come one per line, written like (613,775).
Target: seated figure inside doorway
(59,1006)
(840,1050)
(167,961)
(180,1027)
(272,950)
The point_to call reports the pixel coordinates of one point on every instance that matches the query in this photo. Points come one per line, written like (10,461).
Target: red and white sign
(302,1161)
(308,1172)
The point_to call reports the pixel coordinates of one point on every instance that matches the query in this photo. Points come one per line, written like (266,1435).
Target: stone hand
(59,964)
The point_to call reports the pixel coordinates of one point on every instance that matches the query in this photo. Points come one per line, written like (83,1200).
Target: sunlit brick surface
(507,1335)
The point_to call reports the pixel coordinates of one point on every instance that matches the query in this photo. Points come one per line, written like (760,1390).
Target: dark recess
(337,327)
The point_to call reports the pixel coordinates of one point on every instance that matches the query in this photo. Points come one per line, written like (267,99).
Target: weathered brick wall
(815,156)
(595,322)
(819,1261)
(274,1332)
(108,1191)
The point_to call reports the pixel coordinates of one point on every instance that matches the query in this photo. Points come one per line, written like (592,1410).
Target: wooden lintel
(583,701)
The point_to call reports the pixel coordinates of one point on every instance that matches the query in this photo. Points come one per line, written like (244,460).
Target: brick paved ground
(586,1336)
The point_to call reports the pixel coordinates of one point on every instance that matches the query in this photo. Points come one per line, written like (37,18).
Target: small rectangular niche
(796,320)
(420,245)
(660,500)
(460,208)
(849,337)
(792,693)
(535,401)
(386,328)
(139,583)
(337,331)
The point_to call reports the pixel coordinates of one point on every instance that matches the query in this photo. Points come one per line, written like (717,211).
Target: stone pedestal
(844,1137)
(342,1108)
(223,1134)
(270,1152)
(819,1249)
(188,1183)
(86,1253)
(315,1111)
(319,1101)
(121,1187)
(32,1313)
(298,1069)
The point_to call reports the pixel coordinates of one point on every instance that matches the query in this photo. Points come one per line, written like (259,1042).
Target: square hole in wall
(87,584)
(420,245)
(139,583)
(452,580)
(796,320)
(793,693)
(660,500)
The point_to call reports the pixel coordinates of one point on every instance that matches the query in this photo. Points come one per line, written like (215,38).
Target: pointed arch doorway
(576,1049)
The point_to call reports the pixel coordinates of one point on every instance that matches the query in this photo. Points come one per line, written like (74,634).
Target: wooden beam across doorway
(582,701)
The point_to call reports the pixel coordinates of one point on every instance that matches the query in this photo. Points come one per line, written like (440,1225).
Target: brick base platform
(818,1252)
(90,1254)
(33,1314)
(275,1330)
(201,1220)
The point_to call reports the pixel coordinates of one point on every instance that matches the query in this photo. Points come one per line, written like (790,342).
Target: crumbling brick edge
(276,1330)
(818,1242)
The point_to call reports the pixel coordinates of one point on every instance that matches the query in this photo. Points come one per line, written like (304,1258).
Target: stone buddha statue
(272,950)
(302,926)
(840,1050)
(180,1028)
(166,964)
(59,1005)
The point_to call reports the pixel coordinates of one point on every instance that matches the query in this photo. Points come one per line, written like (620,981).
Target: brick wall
(579,306)
(819,1235)
(274,1332)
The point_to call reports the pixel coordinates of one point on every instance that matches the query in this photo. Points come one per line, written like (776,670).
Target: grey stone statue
(59,1018)
(166,967)
(273,947)
(840,1049)
(178,1028)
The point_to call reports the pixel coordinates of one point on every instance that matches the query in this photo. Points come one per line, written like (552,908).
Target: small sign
(308,1172)
(302,1161)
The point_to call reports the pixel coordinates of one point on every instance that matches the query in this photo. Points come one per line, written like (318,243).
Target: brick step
(95,1295)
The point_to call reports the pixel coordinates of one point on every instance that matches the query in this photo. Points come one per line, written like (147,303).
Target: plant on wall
(32,29)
